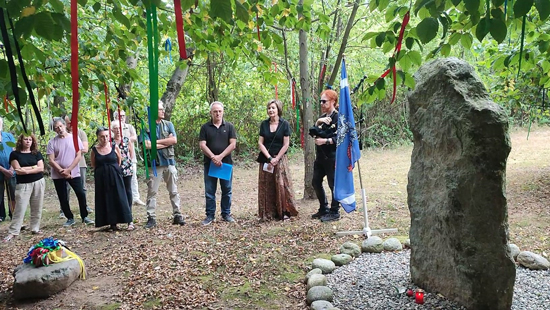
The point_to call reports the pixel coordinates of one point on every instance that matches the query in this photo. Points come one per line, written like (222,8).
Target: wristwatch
(269,159)
(328,141)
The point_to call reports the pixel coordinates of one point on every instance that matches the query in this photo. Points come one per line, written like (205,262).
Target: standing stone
(456,188)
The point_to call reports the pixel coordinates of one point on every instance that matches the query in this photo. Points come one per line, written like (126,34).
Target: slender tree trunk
(307,119)
(173,88)
(344,43)
(212,85)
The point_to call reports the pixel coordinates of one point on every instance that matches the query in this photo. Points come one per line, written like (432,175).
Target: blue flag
(347,148)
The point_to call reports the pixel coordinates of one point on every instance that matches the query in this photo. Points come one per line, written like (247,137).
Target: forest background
(246,52)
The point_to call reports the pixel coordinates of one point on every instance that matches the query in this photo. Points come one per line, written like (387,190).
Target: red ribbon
(396,51)
(107,100)
(322,75)
(74,71)
(6,103)
(180,30)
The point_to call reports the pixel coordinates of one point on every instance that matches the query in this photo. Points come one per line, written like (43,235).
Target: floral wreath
(49,251)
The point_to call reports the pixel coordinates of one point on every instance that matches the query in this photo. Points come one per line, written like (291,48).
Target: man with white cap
(166,168)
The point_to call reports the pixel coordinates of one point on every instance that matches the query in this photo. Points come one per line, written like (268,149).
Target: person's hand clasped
(274,162)
(217,160)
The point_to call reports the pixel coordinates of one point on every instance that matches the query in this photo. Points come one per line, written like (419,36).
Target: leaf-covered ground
(252,265)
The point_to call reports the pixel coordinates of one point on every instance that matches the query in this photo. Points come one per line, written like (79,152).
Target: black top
(217,139)
(27,160)
(273,141)
(328,151)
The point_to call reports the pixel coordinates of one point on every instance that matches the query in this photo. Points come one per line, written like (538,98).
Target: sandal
(131,227)
(9,238)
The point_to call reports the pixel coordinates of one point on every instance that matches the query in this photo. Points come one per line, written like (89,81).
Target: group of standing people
(113,159)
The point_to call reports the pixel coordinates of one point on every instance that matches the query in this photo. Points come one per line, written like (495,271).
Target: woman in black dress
(111,203)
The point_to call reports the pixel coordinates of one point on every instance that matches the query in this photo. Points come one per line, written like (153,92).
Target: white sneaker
(61,215)
(139,202)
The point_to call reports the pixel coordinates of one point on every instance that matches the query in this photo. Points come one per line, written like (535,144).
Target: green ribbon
(152,47)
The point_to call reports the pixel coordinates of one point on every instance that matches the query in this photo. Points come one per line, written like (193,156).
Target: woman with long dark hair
(28,164)
(275,193)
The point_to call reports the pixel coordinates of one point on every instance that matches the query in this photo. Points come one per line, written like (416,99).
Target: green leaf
(383,4)
(543,6)
(522,7)
(62,20)
(44,25)
(187,4)
(24,26)
(82,2)
(416,57)
(3,68)
(466,40)
(242,12)
(96,6)
(543,46)
(472,5)
(409,42)
(427,29)
(221,9)
(380,38)
(498,3)
(420,4)
(483,28)
(57,5)
(456,2)
(498,30)
(445,50)
(454,38)
(117,13)
(369,35)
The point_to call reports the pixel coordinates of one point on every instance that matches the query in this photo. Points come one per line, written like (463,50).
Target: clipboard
(222,172)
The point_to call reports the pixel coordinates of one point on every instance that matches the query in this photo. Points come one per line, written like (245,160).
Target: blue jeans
(210,187)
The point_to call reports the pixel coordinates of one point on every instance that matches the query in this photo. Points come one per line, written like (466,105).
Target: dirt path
(252,265)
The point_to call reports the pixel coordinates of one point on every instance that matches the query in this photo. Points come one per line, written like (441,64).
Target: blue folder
(221,172)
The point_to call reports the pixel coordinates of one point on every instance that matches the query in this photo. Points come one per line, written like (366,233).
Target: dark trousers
(210,188)
(9,185)
(322,168)
(128,187)
(61,189)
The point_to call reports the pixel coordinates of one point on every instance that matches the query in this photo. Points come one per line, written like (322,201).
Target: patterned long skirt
(275,193)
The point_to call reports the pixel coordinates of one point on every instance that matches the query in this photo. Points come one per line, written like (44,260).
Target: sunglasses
(323,101)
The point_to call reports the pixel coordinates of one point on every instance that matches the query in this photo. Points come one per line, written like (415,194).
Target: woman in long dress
(111,202)
(28,164)
(275,193)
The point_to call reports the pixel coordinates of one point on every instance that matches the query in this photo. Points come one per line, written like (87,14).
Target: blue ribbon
(168,48)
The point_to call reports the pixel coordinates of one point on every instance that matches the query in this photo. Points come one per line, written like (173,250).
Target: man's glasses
(323,101)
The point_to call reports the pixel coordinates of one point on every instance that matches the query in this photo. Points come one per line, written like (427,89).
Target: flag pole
(348,199)
(366,229)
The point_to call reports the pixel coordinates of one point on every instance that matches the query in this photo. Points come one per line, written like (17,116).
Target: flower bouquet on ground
(49,251)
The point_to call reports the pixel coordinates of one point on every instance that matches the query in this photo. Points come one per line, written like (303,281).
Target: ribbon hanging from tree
(144,149)
(293,93)
(152,47)
(107,101)
(258,25)
(168,48)
(74,71)
(11,66)
(396,51)
(119,122)
(322,76)
(180,29)
(6,102)
(26,79)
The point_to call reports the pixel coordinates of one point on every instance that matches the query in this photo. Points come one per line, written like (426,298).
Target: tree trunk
(212,85)
(173,88)
(307,119)
(344,43)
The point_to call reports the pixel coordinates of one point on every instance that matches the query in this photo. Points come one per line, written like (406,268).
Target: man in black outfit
(325,157)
